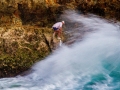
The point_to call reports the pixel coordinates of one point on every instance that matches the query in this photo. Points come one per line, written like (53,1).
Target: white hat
(63,22)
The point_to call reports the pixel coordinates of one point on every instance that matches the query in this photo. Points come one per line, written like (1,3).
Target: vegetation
(107,8)
(22,48)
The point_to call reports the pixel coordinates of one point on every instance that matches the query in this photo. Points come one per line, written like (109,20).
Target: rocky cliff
(109,9)
(25,33)
(21,46)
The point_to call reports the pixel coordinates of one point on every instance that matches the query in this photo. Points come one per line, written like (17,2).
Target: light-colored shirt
(57,25)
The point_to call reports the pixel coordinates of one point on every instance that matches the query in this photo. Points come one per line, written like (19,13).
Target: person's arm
(60,28)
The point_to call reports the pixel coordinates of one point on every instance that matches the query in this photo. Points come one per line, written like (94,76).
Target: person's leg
(54,33)
(59,34)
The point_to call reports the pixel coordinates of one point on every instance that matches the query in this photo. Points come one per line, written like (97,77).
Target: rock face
(106,8)
(21,46)
(25,33)
(39,12)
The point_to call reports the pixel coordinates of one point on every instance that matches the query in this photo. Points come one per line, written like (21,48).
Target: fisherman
(57,27)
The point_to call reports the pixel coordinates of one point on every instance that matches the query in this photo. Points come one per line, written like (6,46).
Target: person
(57,27)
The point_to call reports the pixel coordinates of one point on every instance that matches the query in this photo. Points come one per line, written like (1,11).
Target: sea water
(92,63)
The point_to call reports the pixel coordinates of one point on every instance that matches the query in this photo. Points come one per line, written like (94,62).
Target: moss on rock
(20,48)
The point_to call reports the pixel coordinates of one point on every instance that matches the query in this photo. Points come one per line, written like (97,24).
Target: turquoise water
(92,62)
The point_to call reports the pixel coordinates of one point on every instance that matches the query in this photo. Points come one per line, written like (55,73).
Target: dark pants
(54,28)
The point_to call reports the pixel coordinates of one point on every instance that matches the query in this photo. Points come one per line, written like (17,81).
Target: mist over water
(90,62)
